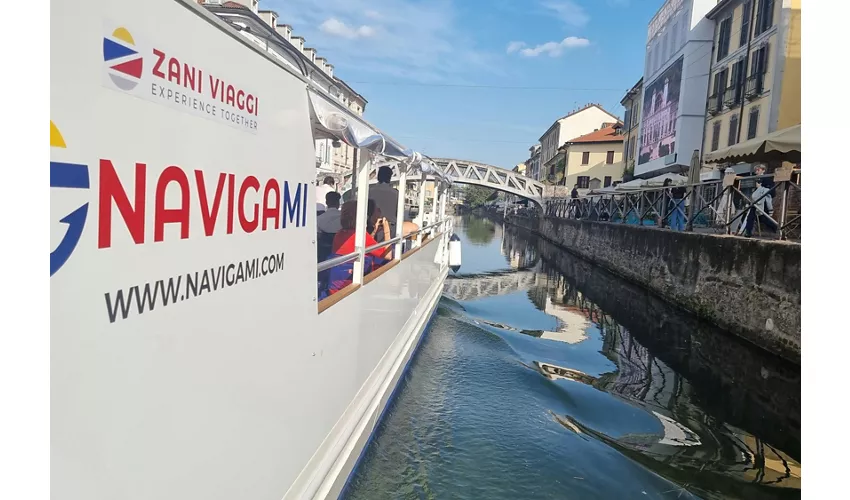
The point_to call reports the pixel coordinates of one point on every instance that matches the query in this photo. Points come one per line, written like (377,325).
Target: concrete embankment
(748,287)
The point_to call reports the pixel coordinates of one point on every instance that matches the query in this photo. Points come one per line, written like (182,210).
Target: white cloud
(336,27)
(555,49)
(568,11)
(411,39)
(515,46)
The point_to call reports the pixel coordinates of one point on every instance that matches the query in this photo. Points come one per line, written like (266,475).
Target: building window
(745,24)
(583,181)
(733,130)
(723,37)
(585,158)
(627,118)
(607,181)
(715,136)
(632,146)
(737,82)
(609,158)
(764,19)
(753,124)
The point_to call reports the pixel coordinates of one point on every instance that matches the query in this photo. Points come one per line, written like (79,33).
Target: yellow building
(755,72)
(594,160)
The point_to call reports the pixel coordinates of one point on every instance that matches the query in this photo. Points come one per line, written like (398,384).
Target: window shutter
(715,136)
(752,125)
(745,24)
(733,130)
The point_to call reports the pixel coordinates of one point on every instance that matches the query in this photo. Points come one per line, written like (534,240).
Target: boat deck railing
(431,225)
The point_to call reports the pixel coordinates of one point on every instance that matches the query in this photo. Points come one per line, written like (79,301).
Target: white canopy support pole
(420,217)
(434,206)
(444,236)
(399,224)
(362,197)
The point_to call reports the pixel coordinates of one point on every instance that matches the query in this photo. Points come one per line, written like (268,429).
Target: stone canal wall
(748,287)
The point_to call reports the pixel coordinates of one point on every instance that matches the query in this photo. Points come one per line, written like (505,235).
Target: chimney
(329,68)
(298,42)
(269,17)
(321,62)
(284,30)
(310,53)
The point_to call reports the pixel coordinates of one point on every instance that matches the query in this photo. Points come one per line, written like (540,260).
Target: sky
(478,80)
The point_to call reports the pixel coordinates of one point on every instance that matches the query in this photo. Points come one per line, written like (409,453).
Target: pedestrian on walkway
(575,212)
(761,210)
(676,211)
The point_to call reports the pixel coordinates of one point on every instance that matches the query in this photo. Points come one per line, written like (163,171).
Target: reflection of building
(577,123)
(594,160)
(674,86)
(631,122)
(754,91)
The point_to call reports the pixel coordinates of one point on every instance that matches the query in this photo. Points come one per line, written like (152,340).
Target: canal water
(543,376)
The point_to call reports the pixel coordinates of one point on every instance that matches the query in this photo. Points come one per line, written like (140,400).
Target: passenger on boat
(343,244)
(328,186)
(328,225)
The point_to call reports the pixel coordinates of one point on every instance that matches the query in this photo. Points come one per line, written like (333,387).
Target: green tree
(476,196)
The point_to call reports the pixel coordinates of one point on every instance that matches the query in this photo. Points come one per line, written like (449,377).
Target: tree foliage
(476,196)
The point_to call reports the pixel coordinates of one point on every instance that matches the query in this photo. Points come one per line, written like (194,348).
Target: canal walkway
(544,376)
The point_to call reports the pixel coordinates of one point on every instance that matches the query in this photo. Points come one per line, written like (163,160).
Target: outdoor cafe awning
(782,145)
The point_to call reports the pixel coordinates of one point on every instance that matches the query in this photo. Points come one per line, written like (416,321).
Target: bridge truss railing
(706,207)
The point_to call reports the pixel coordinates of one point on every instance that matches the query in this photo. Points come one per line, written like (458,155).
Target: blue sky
(425,65)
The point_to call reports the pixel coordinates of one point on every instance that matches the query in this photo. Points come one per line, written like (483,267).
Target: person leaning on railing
(343,244)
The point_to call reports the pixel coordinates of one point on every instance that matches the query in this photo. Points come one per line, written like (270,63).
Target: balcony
(755,86)
(715,104)
(732,96)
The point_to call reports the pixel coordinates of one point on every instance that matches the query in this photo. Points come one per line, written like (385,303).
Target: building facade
(631,124)
(755,73)
(675,82)
(533,163)
(577,123)
(264,29)
(595,160)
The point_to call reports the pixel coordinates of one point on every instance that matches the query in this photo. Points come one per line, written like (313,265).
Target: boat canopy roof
(333,121)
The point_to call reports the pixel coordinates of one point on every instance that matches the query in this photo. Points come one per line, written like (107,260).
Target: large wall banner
(660,107)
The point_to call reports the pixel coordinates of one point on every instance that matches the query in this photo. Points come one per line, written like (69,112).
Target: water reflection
(546,377)
(478,231)
(698,443)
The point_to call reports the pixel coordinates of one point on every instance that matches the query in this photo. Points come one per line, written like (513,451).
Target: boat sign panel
(182,228)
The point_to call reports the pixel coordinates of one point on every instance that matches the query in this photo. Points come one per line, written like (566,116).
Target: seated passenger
(343,244)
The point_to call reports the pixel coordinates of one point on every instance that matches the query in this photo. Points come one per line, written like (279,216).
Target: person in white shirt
(328,222)
(322,191)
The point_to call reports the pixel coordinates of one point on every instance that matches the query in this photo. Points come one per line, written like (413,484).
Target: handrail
(382,244)
(342,259)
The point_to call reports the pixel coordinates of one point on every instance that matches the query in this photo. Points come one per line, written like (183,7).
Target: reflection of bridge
(490,285)
(480,174)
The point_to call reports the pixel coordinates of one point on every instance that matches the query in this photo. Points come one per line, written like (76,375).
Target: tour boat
(191,355)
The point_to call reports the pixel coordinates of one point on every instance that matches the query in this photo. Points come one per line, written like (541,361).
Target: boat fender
(454,253)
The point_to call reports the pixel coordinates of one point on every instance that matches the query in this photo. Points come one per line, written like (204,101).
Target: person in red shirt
(343,244)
